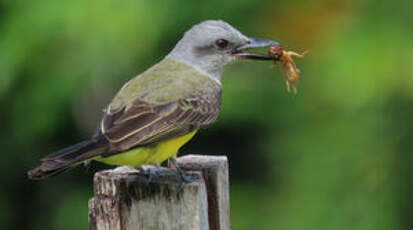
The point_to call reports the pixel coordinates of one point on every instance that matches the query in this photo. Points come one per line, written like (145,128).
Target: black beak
(254,43)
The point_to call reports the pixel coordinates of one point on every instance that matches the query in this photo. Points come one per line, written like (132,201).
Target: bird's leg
(150,173)
(185,177)
(170,163)
(87,164)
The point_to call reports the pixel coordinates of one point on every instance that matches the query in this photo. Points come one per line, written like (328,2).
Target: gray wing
(144,123)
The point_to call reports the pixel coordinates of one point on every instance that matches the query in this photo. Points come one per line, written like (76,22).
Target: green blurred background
(336,156)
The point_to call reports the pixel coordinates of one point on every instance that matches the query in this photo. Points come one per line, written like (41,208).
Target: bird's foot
(186,177)
(150,173)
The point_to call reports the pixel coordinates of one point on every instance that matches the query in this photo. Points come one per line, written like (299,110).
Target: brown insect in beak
(288,66)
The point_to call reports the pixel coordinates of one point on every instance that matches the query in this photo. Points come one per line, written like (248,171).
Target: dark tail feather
(65,159)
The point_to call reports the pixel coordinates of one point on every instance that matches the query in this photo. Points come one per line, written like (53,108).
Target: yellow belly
(155,154)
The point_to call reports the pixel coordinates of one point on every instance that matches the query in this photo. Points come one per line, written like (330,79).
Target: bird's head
(212,44)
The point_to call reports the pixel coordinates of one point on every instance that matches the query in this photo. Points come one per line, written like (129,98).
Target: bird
(155,113)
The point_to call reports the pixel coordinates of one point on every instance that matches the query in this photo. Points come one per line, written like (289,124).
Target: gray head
(212,44)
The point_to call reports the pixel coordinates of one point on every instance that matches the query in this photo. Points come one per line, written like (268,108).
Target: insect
(288,66)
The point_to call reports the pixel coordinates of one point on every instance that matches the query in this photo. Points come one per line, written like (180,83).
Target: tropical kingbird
(158,111)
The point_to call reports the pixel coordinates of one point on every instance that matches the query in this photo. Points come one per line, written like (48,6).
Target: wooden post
(214,170)
(124,201)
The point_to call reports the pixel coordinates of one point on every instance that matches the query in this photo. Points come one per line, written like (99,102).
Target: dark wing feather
(145,124)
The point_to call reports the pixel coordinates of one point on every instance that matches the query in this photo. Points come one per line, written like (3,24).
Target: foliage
(336,156)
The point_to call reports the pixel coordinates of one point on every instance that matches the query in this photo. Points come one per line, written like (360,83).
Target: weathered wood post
(124,201)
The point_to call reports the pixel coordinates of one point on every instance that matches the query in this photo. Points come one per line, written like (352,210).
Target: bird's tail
(65,159)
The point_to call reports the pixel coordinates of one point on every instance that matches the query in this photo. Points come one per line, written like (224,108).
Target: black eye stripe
(221,43)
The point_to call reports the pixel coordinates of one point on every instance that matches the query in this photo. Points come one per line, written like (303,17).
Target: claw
(186,178)
(149,173)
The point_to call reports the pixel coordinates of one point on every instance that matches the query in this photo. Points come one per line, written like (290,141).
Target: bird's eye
(221,43)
